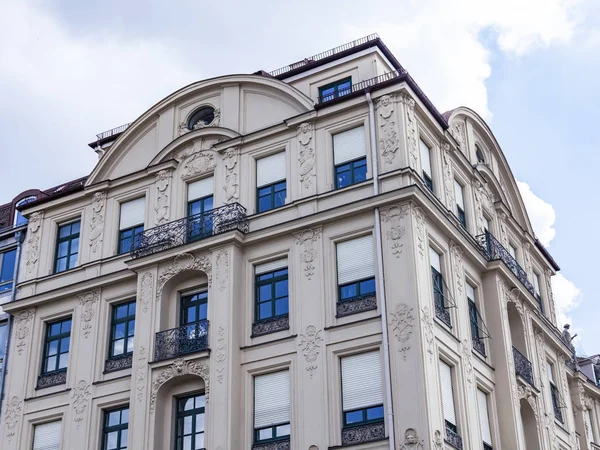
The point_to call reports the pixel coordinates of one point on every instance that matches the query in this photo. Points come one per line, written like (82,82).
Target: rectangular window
(131,223)
(513,251)
(486,225)
(426,164)
(355,269)
(115,429)
(7,269)
(554,392)
(587,422)
(350,157)
(336,89)
(122,329)
(272,406)
(362,389)
(270,182)
(56,346)
(484,419)
(436,278)
(271,285)
(46,436)
(536,289)
(199,205)
(3,340)
(474,321)
(67,246)
(448,398)
(190,423)
(460,204)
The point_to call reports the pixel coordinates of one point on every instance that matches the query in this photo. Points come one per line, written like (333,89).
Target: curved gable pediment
(244,104)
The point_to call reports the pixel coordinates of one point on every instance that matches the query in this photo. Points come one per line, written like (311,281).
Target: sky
(71,69)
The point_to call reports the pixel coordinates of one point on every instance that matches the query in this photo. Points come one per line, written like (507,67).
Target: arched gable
(468,128)
(242,103)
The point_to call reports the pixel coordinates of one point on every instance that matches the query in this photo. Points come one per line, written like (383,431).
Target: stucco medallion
(12,415)
(306,240)
(87,300)
(394,216)
(306,155)
(22,325)
(80,397)
(402,321)
(146,288)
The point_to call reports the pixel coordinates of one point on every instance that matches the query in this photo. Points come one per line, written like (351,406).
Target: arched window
(479,155)
(19,219)
(202,117)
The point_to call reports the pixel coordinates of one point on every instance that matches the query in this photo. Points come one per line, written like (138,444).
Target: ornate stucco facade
(488,252)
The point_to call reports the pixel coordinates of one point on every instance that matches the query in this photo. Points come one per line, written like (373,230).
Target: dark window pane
(367,286)
(264,204)
(122,311)
(8,265)
(375,413)
(55,329)
(348,291)
(354,417)
(66,326)
(265,310)
(281,306)
(264,292)
(281,288)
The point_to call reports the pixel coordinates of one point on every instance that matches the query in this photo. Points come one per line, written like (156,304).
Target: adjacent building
(310,258)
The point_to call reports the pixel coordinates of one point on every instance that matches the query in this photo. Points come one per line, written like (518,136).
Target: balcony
(494,250)
(453,438)
(523,366)
(191,229)
(389,77)
(183,340)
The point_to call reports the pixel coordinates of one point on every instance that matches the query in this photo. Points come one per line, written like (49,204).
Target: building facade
(311,258)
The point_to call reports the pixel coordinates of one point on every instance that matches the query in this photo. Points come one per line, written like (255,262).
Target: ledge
(362,434)
(355,306)
(49,394)
(269,326)
(282,444)
(188,356)
(291,337)
(356,322)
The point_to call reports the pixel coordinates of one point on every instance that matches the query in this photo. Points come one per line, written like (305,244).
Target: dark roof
(57,191)
(547,255)
(5,216)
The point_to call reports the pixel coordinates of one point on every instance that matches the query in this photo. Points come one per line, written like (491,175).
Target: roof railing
(113,132)
(323,55)
(362,85)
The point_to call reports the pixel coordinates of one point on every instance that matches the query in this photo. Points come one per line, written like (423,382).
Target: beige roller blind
(46,436)
(361,381)
(201,188)
(484,417)
(272,399)
(355,259)
(447,393)
(132,213)
(270,169)
(349,145)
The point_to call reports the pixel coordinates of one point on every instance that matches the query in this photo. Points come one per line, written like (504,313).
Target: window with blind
(131,223)
(426,164)
(484,419)
(355,269)
(270,182)
(199,205)
(362,389)
(272,399)
(350,157)
(46,436)
(554,392)
(271,290)
(460,203)
(448,405)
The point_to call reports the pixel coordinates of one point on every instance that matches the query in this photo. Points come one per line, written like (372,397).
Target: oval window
(201,118)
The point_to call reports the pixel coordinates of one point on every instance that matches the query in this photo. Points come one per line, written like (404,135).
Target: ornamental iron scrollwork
(190,229)
(453,438)
(52,379)
(183,340)
(523,366)
(363,433)
(271,325)
(356,305)
(443,314)
(118,363)
(493,250)
(283,444)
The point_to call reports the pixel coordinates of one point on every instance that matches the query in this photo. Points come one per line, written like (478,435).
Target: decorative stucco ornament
(394,216)
(389,142)
(97,221)
(411,440)
(306,155)
(402,321)
(306,240)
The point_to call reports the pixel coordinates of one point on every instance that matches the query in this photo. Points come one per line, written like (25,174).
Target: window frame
(352,170)
(136,230)
(58,337)
(272,195)
(336,91)
(7,285)
(427,177)
(273,427)
(186,300)
(461,214)
(107,429)
(273,300)
(69,238)
(181,413)
(114,321)
(23,201)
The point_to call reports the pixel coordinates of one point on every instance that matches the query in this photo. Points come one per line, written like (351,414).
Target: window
(554,392)
(67,246)
(479,155)
(272,406)
(270,182)
(190,423)
(484,419)
(350,157)
(56,347)
(271,284)
(460,204)
(426,164)
(336,89)
(122,329)
(355,269)
(19,218)
(199,205)
(448,400)
(202,117)
(536,289)
(131,224)
(46,436)
(7,269)
(513,251)
(362,392)
(474,321)
(486,224)
(115,429)
(439,298)
(194,308)
(3,340)
(587,422)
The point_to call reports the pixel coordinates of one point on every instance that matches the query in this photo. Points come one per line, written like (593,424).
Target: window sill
(356,305)
(116,363)
(361,434)
(51,379)
(281,444)
(269,326)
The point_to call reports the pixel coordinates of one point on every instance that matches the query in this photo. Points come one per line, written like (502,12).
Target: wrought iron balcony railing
(494,250)
(523,366)
(453,438)
(190,229)
(182,340)
(358,87)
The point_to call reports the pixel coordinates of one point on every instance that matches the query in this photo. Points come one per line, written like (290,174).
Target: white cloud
(566,297)
(541,214)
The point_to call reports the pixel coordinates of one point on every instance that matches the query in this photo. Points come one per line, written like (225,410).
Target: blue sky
(71,69)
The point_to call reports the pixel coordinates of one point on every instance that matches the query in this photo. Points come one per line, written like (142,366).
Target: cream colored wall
(314,219)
